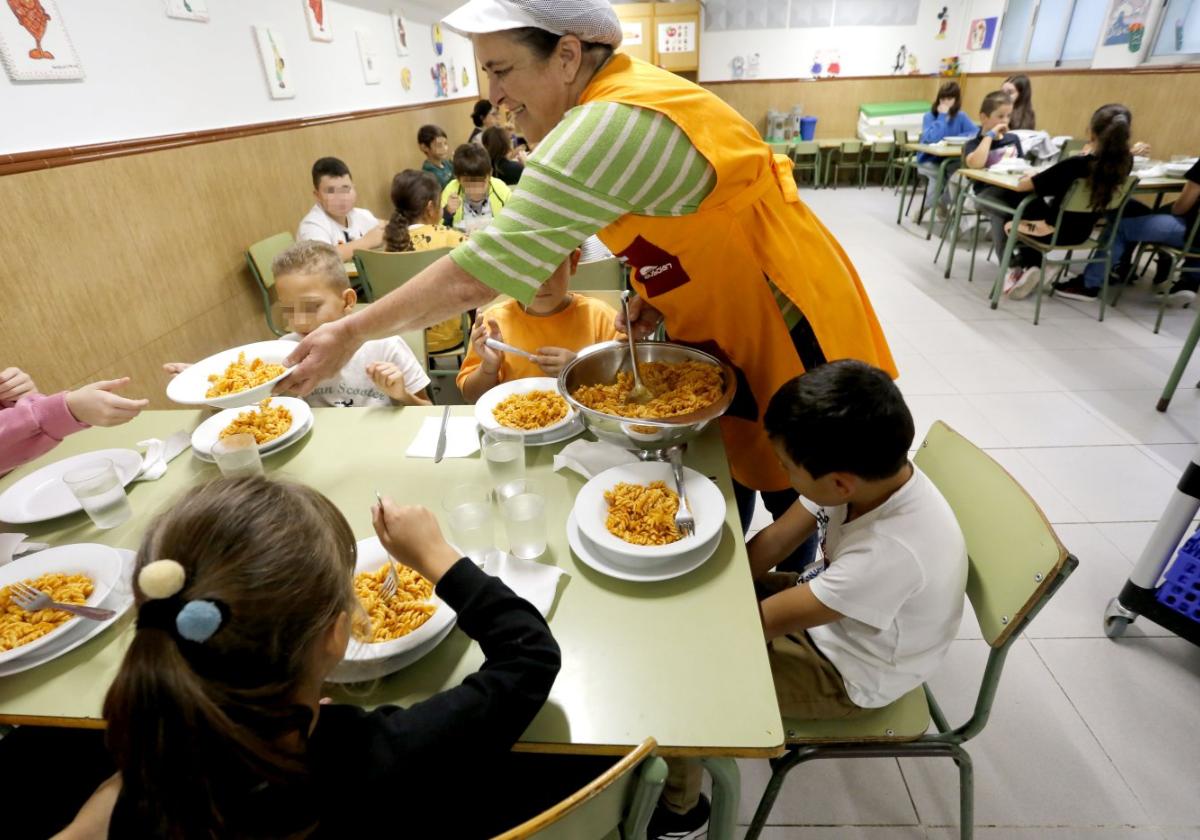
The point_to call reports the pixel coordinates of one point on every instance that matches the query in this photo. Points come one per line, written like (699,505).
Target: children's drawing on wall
(275,63)
(318,20)
(441,80)
(452,78)
(943,24)
(188,10)
(900,65)
(34,44)
(948,66)
(914,67)
(466,79)
(737,67)
(400,33)
(752,67)
(982,34)
(405,78)
(826,64)
(439,45)
(1126,17)
(369,56)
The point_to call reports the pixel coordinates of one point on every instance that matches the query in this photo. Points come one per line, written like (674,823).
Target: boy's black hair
(472,161)
(328,167)
(845,416)
(426,134)
(993,101)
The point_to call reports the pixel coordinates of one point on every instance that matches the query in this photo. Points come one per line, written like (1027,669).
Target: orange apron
(708,272)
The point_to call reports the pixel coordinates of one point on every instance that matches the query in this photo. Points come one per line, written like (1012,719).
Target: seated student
(471,200)
(1105,165)
(32,424)
(1020,90)
(432,142)
(245,603)
(484,116)
(313,290)
(877,621)
(334,219)
(499,145)
(556,325)
(993,143)
(945,119)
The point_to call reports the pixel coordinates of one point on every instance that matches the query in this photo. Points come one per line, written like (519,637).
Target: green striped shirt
(604,160)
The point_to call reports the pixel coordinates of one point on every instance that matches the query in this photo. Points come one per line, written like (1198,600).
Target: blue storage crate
(1180,590)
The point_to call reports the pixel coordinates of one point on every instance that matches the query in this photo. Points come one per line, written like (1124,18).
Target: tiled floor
(1088,738)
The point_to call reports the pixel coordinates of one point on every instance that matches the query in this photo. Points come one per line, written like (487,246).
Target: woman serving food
(675,183)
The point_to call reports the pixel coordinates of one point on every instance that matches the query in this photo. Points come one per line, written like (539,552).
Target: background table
(948,154)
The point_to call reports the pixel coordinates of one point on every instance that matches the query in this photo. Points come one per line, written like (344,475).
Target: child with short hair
(505,165)
(553,327)
(994,142)
(432,141)
(474,196)
(245,600)
(334,219)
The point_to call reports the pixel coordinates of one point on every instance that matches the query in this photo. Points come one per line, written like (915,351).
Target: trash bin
(808,127)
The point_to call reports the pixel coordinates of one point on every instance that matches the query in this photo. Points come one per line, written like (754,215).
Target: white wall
(147,74)
(861,50)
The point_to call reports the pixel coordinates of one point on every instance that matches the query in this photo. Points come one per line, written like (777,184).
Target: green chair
(806,157)
(1016,564)
(601,274)
(780,148)
(1078,200)
(879,156)
(901,161)
(1190,250)
(259,257)
(1071,147)
(618,804)
(849,156)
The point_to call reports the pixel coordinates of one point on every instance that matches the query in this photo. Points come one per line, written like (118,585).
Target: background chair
(901,159)
(1190,250)
(848,156)
(806,158)
(601,274)
(879,157)
(1071,147)
(259,257)
(618,804)
(1016,564)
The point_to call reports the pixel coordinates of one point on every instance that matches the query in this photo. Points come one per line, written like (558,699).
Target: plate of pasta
(629,510)
(233,378)
(74,574)
(275,422)
(531,407)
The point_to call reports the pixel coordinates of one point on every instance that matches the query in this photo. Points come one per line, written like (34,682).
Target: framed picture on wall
(275,63)
(400,32)
(188,9)
(368,54)
(316,12)
(34,44)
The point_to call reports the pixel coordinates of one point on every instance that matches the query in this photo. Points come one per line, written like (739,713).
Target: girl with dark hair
(484,116)
(1020,91)
(945,119)
(498,143)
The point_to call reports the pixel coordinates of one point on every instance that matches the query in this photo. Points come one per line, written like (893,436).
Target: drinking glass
(523,503)
(101,493)
(468,510)
(237,455)
(504,452)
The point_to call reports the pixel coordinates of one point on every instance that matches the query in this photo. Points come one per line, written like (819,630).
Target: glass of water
(468,510)
(100,490)
(504,452)
(523,503)
(237,456)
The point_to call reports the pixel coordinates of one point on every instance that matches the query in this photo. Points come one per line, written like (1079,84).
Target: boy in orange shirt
(553,328)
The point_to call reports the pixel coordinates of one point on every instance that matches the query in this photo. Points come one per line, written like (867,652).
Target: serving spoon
(639,393)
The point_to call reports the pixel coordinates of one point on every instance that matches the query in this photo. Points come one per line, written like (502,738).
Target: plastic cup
(101,493)
(237,456)
(468,510)
(504,453)
(523,504)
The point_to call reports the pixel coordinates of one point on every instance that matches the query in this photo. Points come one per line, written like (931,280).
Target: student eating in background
(432,142)
(1020,91)
(484,116)
(474,197)
(506,162)
(993,143)
(334,219)
(945,119)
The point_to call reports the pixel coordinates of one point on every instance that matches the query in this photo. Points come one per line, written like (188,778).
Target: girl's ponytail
(1111,126)
(412,193)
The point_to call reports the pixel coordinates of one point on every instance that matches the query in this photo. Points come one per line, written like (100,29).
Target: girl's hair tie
(192,621)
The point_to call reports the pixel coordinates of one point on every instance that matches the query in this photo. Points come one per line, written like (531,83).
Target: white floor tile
(1053,503)
(990,372)
(1138,697)
(1129,537)
(1046,419)
(1106,483)
(1181,833)
(1049,833)
(1172,456)
(1133,412)
(871,792)
(958,413)
(841,832)
(918,376)
(1099,369)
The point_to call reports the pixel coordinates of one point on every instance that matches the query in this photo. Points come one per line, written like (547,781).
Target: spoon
(640,393)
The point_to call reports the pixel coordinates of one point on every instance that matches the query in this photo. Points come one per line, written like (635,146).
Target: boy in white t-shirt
(313,290)
(334,219)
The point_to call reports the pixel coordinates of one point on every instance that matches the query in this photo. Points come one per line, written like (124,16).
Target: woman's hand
(173,369)
(97,405)
(645,319)
(490,360)
(14,384)
(552,360)
(320,356)
(412,536)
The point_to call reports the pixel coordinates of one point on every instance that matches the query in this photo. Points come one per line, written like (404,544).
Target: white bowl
(43,495)
(705,498)
(371,556)
(99,562)
(487,403)
(208,433)
(189,387)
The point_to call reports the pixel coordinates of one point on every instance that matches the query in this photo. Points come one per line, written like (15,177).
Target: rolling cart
(1175,603)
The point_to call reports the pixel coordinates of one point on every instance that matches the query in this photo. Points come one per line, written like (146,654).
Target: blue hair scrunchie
(198,620)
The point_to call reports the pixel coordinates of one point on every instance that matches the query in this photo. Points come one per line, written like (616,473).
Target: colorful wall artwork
(943,23)
(441,79)
(188,10)
(982,33)
(316,12)
(400,33)
(275,63)
(439,44)
(405,78)
(1126,20)
(631,33)
(676,37)
(34,45)
(368,54)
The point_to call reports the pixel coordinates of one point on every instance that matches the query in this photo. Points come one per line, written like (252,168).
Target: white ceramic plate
(572,429)
(99,562)
(42,495)
(354,671)
(488,402)
(189,387)
(618,567)
(371,556)
(120,599)
(955,141)
(268,449)
(1178,170)
(208,433)
(707,504)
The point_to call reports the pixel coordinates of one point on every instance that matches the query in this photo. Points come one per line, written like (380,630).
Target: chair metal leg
(1162,302)
(726,793)
(904,175)
(974,248)
(780,767)
(1185,355)
(966,792)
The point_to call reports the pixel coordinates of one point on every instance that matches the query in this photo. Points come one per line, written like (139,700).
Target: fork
(684,521)
(32,600)
(391,584)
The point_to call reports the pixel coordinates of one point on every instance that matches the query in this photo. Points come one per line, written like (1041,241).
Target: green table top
(681,660)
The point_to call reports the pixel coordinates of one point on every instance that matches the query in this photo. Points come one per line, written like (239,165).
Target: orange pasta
(240,376)
(641,514)
(399,615)
(531,410)
(678,388)
(266,424)
(18,627)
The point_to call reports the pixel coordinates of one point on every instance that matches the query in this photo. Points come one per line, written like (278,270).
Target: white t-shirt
(319,226)
(352,387)
(898,574)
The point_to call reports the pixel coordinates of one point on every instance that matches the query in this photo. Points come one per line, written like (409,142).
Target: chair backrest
(261,253)
(900,135)
(601,274)
(851,147)
(381,271)
(617,803)
(1072,146)
(882,151)
(1079,200)
(805,148)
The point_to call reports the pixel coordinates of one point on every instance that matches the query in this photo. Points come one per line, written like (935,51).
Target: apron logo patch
(657,270)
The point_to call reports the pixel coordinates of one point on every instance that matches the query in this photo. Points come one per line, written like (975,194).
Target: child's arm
(794,610)
(14,384)
(934,128)
(773,544)
(389,379)
(93,818)
(486,375)
(1187,199)
(553,359)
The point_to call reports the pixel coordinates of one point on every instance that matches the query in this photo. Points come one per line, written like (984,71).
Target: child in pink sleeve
(32,423)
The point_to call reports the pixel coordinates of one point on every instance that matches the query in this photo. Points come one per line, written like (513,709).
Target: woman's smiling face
(537,91)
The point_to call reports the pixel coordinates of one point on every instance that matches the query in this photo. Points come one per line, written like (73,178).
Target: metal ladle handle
(637,378)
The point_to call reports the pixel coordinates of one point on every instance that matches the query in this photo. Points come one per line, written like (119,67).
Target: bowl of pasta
(233,378)
(528,407)
(691,389)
